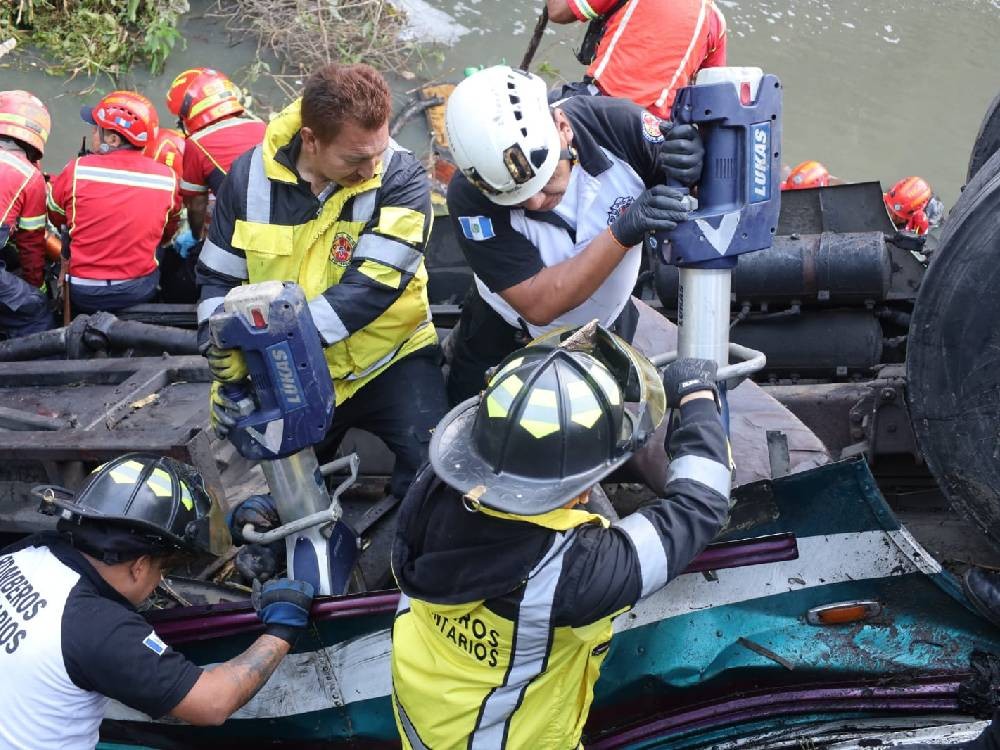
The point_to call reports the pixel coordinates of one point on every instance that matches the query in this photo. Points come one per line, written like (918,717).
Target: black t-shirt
(503,257)
(68,642)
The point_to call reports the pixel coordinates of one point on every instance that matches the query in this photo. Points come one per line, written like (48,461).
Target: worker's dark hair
(113,542)
(33,154)
(336,93)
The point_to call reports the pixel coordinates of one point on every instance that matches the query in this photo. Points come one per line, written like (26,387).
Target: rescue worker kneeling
(119,205)
(331,202)
(509,585)
(24,130)
(72,594)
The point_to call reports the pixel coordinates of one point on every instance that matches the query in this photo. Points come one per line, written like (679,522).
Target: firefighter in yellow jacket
(509,585)
(331,202)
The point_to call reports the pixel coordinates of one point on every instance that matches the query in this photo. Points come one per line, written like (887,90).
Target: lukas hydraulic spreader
(285,407)
(738,113)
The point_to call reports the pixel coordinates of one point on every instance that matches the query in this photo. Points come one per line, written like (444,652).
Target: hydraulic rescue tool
(738,113)
(285,407)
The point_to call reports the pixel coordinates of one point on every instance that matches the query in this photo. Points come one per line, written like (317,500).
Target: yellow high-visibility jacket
(504,621)
(357,251)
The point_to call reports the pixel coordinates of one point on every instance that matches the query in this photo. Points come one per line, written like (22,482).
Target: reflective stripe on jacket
(356,251)
(22,212)
(505,621)
(211,151)
(651,48)
(119,207)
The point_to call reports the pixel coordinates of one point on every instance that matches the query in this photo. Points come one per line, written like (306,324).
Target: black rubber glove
(258,510)
(688,375)
(259,562)
(660,208)
(283,606)
(682,153)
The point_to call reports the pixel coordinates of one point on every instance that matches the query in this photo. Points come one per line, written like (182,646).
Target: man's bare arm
(197,207)
(224,688)
(559,11)
(557,289)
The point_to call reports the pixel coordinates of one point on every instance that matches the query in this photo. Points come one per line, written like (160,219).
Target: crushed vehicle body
(813,606)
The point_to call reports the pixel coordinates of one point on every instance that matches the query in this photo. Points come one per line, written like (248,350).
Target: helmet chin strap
(568,154)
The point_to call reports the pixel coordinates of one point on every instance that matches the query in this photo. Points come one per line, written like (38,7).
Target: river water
(875,90)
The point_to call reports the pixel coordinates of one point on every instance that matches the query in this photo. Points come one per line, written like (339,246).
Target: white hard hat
(501,133)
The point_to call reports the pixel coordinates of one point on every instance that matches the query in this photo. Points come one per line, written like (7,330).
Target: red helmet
(808,174)
(24,117)
(127,113)
(906,198)
(201,96)
(168,148)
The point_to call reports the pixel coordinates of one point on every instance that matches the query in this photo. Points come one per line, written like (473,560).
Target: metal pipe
(34,346)
(751,361)
(131,333)
(296,485)
(703,314)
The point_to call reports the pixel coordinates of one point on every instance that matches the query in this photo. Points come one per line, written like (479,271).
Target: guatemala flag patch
(477,227)
(154,644)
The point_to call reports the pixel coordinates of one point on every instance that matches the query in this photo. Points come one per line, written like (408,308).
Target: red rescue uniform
(119,207)
(651,48)
(22,212)
(211,151)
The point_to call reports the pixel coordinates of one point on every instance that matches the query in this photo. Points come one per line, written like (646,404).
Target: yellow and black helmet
(136,500)
(552,422)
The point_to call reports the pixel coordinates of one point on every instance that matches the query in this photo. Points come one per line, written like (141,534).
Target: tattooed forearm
(250,670)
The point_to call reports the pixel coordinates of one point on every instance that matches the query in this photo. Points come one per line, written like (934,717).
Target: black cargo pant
(482,339)
(402,406)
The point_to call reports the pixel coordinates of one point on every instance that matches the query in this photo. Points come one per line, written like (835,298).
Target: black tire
(985,176)
(987,140)
(953,357)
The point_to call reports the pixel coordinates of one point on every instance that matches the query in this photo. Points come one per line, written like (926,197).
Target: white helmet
(501,133)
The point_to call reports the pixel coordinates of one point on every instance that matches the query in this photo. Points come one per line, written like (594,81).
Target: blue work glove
(227,365)
(258,510)
(682,153)
(688,375)
(660,208)
(283,606)
(184,242)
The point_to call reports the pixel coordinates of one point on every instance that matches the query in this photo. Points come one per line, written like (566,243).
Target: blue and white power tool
(285,407)
(738,114)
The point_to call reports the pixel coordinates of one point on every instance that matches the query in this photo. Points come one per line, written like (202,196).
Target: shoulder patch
(477,227)
(154,644)
(651,127)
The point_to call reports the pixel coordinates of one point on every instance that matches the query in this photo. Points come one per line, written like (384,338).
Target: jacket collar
(283,144)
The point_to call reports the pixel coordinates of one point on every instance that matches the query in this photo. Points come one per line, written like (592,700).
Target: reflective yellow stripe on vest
(26,170)
(466,677)
(317,253)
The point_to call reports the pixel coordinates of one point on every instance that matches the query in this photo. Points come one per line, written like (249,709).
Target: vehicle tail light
(843,613)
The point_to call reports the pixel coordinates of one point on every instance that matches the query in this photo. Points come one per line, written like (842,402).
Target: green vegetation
(95,37)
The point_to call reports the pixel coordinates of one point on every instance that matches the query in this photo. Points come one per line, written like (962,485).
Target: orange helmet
(127,113)
(906,198)
(201,96)
(24,117)
(808,174)
(168,148)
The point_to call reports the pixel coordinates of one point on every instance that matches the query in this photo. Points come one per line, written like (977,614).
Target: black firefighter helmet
(133,504)
(553,421)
